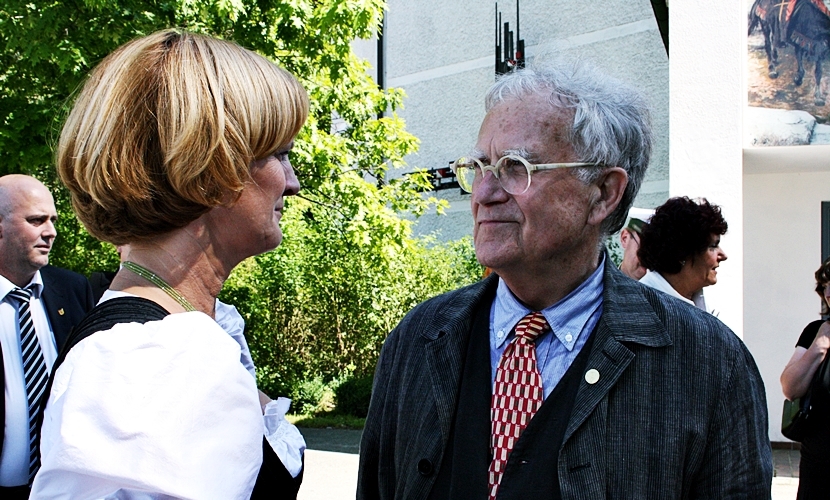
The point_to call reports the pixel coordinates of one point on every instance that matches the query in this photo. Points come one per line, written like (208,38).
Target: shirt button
(569,337)
(501,333)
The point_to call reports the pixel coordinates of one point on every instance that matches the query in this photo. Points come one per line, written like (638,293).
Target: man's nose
(49,230)
(488,189)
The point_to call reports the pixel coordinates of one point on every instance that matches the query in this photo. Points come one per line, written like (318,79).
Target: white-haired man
(558,377)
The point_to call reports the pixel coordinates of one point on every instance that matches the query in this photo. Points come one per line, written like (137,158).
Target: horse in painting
(808,31)
(804,24)
(769,15)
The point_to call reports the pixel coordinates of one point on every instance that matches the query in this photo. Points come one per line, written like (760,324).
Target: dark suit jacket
(67,297)
(679,410)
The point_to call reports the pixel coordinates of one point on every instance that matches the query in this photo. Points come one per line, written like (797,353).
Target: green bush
(352,396)
(615,250)
(308,395)
(320,307)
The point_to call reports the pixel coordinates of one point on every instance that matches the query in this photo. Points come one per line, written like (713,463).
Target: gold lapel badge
(61,311)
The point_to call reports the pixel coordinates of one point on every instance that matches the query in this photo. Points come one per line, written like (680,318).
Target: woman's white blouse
(658,282)
(159,410)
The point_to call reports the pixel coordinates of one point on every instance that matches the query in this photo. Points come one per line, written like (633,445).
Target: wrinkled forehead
(529,126)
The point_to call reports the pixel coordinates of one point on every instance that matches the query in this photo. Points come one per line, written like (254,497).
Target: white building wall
(707,98)
(771,197)
(442,54)
(782,229)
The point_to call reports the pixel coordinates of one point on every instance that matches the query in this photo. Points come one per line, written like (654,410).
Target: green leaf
(349,267)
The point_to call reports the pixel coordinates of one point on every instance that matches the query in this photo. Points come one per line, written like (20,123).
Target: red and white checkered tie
(517,394)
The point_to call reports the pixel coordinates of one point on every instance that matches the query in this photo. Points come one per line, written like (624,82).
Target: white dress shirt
(164,409)
(571,320)
(14,461)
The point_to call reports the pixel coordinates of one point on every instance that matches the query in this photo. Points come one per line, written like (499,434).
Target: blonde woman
(178,146)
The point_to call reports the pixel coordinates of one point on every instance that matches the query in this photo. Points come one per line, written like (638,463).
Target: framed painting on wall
(788,50)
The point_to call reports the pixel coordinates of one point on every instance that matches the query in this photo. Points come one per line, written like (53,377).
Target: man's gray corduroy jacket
(679,410)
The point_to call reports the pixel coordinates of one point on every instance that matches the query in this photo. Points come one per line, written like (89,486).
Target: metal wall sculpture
(508,55)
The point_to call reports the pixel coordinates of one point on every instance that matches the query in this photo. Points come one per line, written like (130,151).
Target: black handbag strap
(820,381)
(108,314)
(101,318)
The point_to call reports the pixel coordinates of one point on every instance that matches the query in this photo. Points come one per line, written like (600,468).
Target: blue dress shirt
(572,320)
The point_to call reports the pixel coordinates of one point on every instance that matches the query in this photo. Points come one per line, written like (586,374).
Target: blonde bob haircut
(166,128)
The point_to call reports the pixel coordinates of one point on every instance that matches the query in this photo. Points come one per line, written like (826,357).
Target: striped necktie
(517,394)
(34,370)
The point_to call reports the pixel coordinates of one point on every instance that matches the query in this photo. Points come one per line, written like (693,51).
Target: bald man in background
(38,303)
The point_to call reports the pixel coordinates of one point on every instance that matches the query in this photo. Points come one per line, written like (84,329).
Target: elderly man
(630,242)
(39,304)
(558,377)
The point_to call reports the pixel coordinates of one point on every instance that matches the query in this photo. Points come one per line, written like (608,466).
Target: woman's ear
(610,189)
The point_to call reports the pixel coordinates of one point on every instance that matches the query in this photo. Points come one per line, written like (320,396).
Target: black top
(816,445)
(809,334)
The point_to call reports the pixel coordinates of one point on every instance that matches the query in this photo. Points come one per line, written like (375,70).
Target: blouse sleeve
(163,409)
(231,321)
(285,439)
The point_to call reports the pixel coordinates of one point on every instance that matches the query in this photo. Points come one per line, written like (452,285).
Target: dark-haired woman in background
(680,247)
(810,351)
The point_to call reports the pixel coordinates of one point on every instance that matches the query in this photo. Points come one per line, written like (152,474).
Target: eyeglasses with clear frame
(512,171)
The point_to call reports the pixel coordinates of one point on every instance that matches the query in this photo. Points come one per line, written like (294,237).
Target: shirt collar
(656,280)
(36,285)
(567,318)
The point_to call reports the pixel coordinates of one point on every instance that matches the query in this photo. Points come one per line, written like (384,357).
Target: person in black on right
(810,351)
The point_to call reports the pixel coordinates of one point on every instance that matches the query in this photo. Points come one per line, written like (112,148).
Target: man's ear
(610,188)
(624,237)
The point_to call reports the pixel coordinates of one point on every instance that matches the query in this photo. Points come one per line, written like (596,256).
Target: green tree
(50,46)
(320,306)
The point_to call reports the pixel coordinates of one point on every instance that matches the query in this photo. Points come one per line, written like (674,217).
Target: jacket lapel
(627,317)
(442,354)
(445,348)
(55,304)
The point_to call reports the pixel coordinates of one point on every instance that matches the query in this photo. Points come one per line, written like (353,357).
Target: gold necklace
(159,282)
